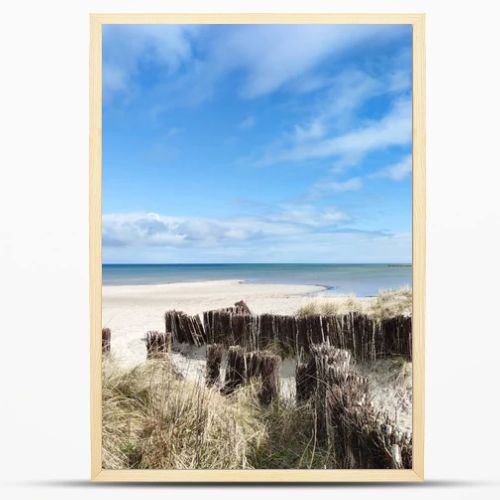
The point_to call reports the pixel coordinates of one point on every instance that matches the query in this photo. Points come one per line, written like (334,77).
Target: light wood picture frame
(418,244)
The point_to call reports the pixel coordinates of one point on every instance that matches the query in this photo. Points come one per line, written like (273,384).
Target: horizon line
(254,263)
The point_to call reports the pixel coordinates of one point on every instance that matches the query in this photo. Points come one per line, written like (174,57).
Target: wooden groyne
(184,328)
(158,345)
(106,340)
(243,366)
(366,338)
(235,370)
(270,375)
(214,361)
(347,421)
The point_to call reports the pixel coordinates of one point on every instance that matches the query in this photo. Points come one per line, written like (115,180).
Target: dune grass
(391,303)
(386,304)
(154,419)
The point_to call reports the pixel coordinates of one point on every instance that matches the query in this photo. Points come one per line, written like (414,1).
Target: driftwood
(158,345)
(347,422)
(214,359)
(106,340)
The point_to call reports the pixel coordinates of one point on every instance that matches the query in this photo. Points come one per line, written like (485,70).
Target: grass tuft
(387,304)
(153,419)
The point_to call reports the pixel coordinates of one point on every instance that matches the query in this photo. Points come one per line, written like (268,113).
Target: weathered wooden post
(184,328)
(270,373)
(236,369)
(214,359)
(158,345)
(241,308)
(106,340)
(253,362)
(305,380)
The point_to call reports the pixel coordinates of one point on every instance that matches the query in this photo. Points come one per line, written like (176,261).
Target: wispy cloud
(273,56)
(125,46)
(394,129)
(326,187)
(157,238)
(398,171)
(269,57)
(310,131)
(152,229)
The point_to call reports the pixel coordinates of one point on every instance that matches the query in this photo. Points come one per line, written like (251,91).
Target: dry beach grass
(155,419)
(386,304)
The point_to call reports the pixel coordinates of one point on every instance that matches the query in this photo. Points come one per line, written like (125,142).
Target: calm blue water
(361,279)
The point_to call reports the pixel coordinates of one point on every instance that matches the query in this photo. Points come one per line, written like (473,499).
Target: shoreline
(236,281)
(362,280)
(219,282)
(322,287)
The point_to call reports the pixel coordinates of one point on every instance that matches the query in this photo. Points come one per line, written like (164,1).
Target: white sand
(131,310)
(390,389)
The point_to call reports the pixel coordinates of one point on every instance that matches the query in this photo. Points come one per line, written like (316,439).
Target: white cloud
(397,171)
(310,131)
(353,184)
(151,229)
(349,91)
(335,245)
(296,234)
(394,129)
(273,55)
(124,46)
(306,215)
(269,57)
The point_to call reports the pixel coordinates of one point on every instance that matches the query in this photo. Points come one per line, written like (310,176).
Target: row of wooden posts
(366,338)
(242,366)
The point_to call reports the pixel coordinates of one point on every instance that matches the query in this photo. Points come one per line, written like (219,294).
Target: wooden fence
(366,338)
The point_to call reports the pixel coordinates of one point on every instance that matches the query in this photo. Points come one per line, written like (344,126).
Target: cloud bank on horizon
(257,143)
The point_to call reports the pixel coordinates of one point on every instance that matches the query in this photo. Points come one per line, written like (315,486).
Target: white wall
(44,428)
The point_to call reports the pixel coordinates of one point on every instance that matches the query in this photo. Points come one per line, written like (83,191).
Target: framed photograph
(257,247)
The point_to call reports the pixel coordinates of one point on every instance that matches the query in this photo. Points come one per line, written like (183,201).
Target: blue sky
(256,143)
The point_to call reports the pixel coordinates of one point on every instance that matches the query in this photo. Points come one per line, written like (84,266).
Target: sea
(363,280)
